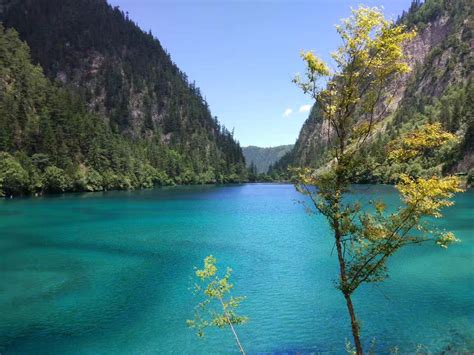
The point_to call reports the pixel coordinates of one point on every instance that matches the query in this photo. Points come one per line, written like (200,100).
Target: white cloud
(287,112)
(305,108)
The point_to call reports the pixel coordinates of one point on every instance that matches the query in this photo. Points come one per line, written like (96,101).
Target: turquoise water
(111,272)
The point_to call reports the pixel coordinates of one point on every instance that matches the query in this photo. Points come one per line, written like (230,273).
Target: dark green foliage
(263,158)
(51,142)
(467,144)
(421,13)
(123,72)
(13,177)
(253,175)
(55,180)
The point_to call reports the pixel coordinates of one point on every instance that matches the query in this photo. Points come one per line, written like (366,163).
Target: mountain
(263,158)
(439,88)
(89,92)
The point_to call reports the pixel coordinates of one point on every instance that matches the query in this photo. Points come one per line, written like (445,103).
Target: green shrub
(55,180)
(14,179)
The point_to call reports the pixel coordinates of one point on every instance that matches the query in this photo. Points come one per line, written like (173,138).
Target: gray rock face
(439,56)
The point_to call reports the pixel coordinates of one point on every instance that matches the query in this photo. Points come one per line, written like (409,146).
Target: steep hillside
(439,88)
(111,71)
(263,158)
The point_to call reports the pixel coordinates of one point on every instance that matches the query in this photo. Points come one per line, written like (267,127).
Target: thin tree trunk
(354,324)
(345,292)
(340,254)
(232,328)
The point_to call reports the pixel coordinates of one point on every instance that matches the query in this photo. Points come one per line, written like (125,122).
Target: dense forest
(439,88)
(260,159)
(90,102)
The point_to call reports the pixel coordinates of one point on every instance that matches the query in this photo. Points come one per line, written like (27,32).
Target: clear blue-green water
(111,272)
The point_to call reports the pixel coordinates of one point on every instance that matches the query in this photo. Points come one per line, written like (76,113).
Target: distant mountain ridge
(263,158)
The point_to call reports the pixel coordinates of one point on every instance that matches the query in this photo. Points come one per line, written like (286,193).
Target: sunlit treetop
(426,197)
(419,142)
(370,55)
(218,308)
(368,36)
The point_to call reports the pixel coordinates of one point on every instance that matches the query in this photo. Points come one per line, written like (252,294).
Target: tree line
(51,142)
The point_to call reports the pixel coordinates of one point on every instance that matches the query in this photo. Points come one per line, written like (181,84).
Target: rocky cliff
(438,88)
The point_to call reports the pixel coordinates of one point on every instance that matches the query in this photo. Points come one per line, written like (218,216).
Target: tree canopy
(352,103)
(51,142)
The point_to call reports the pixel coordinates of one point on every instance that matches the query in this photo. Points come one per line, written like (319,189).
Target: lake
(111,273)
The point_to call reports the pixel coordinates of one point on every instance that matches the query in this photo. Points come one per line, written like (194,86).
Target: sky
(243,54)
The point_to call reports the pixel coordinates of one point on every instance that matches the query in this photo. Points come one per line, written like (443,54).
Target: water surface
(111,272)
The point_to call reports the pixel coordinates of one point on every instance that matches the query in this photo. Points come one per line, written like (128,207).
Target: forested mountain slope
(439,88)
(112,102)
(263,158)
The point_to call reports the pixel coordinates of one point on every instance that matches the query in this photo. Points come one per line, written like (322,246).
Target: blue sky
(243,54)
